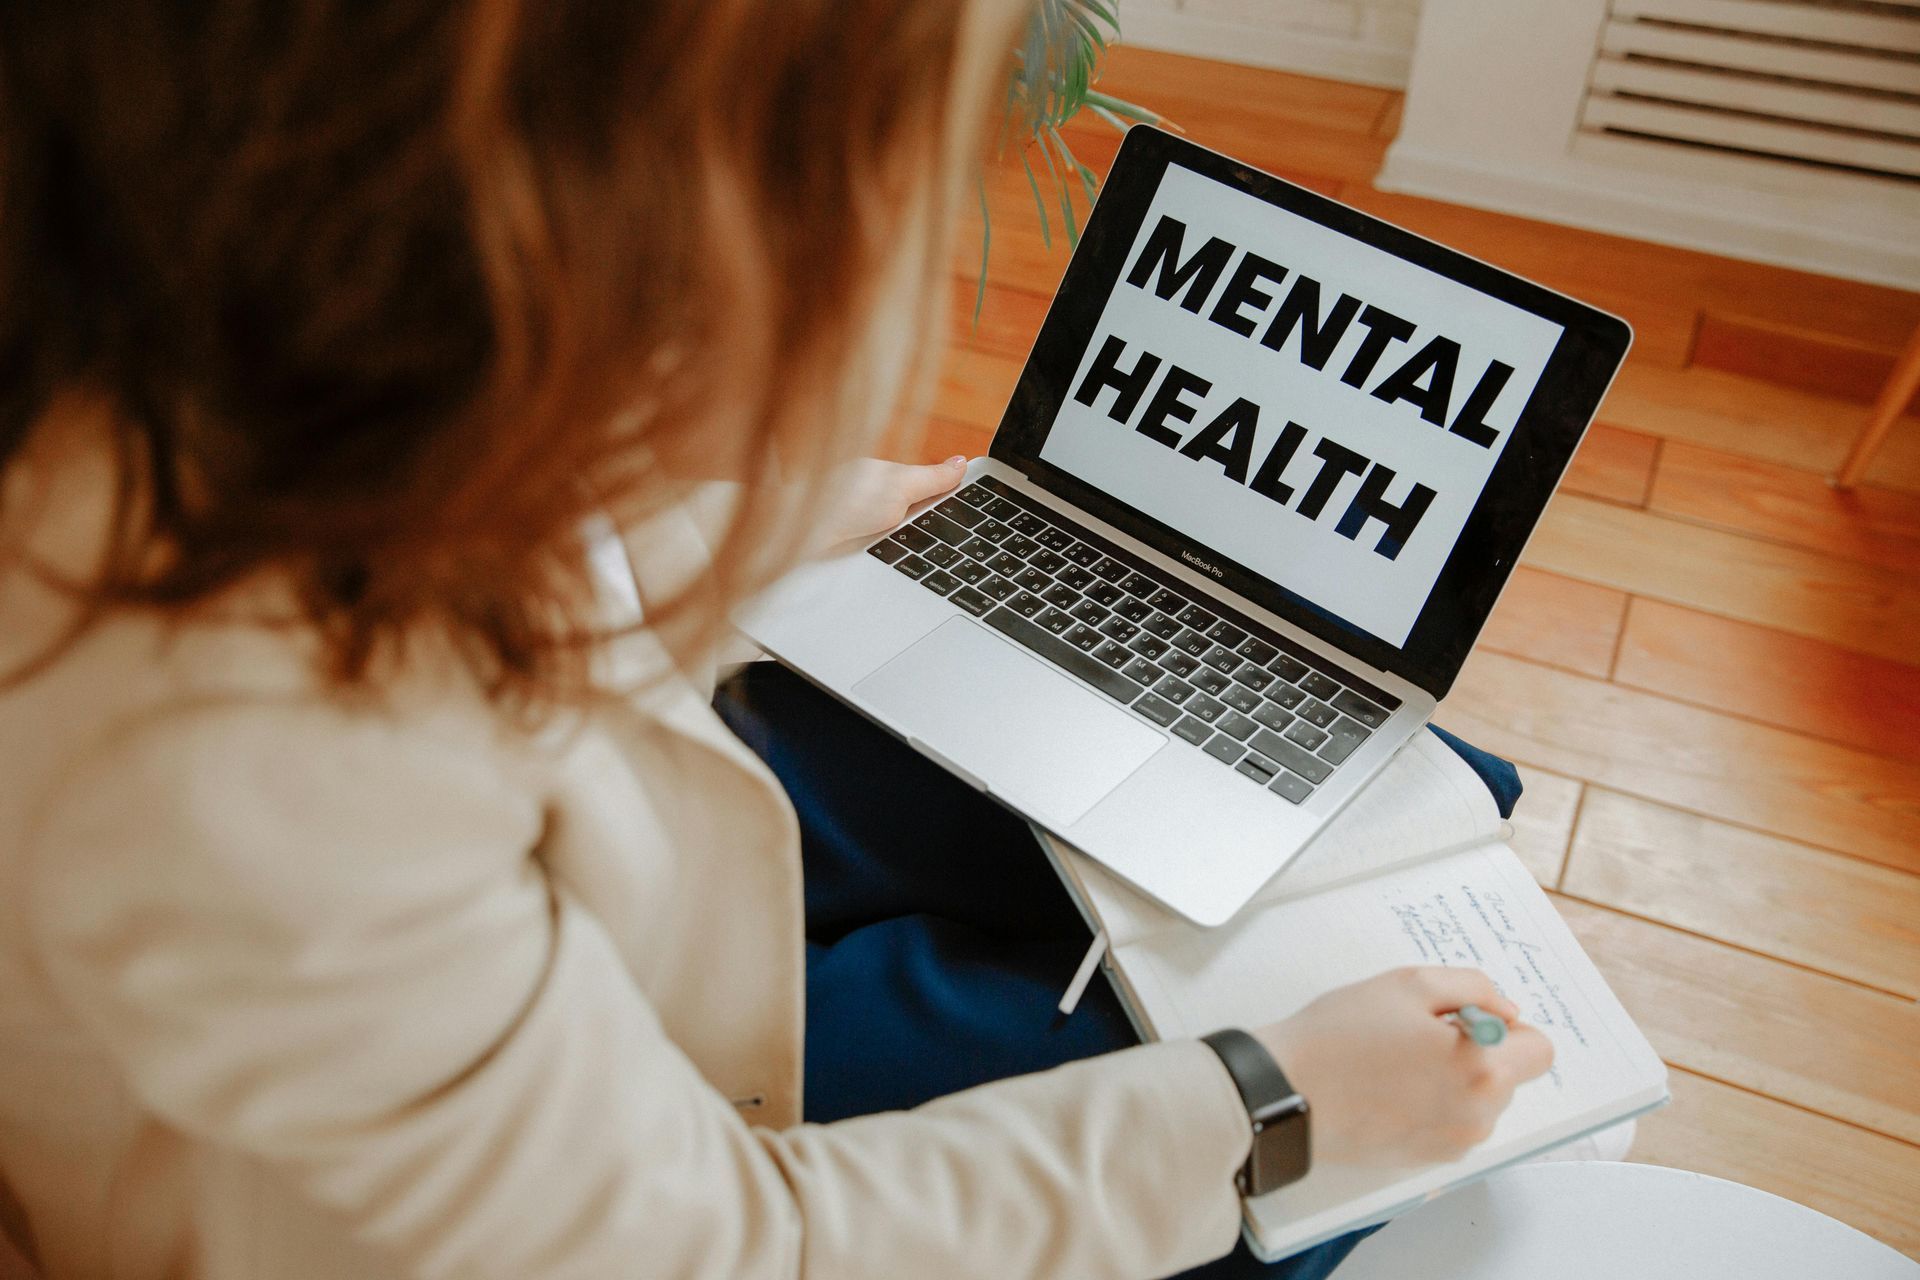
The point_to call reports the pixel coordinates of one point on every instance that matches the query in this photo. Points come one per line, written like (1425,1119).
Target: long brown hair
(387,297)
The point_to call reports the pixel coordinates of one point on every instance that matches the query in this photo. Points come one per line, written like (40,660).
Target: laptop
(1266,470)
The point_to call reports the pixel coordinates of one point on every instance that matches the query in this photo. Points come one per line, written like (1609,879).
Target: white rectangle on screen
(1315,481)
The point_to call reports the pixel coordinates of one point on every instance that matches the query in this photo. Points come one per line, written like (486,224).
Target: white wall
(1366,41)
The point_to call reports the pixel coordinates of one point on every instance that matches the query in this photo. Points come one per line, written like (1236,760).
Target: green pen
(1482,1028)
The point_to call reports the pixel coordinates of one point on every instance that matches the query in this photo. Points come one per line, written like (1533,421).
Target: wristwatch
(1282,1145)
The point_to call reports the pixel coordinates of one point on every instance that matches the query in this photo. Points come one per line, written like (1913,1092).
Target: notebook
(1416,871)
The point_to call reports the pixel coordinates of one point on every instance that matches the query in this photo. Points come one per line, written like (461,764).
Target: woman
(380,894)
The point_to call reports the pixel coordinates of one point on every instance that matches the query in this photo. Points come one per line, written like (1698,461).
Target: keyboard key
(1026,604)
(1167,601)
(1106,593)
(1054,539)
(978,548)
(1020,545)
(1163,626)
(1318,685)
(1114,655)
(961,513)
(1005,565)
(1082,554)
(1259,768)
(1239,697)
(1224,749)
(992,531)
(1254,678)
(1157,709)
(1082,637)
(940,582)
(942,554)
(1057,594)
(1118,628)
(1063,655)
(1054,620)
(913,539)
(1191,641)
(1205,708)
(1210,680)
(1318,712)
(1196,617)
(1047,561)
(1304,763)
(1142,670)
(1027,522)
(1343,740)
(914,567)
(1110,569)
(1272,717)
(1256,651)
(1134,610)
(1290,787)
(1148,646)
(1285,694)
(942,528)
(998,587)
(886,551)
(1179,663)
(1236,724)
(1224,632)
(972,601)
(1174,690)
(1220,658)
(1001,509)
(1077,578)
(1139,584)
(969,571)
(1305,734)
(975,495)
(1287,667)
(1360,709)
(1030,579)
(1086,610)
(1194,731)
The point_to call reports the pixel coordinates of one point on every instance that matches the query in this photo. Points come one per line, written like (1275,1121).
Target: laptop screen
(1313,412)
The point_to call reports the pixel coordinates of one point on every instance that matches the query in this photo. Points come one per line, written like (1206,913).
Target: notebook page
(1479,909)
(1426,800)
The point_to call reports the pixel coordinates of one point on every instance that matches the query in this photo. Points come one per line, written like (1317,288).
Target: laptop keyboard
(1276,714)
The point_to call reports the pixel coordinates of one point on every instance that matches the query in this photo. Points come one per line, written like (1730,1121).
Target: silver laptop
(1265,472)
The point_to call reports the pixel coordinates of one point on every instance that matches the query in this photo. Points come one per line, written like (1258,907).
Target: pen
(1480,1026)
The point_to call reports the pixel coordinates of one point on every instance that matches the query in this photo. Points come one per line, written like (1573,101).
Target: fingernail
(956,459)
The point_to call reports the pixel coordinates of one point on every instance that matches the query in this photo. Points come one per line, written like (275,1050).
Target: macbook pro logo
(1202,565)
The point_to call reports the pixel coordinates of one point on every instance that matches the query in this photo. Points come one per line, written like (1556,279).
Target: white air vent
(1715,85)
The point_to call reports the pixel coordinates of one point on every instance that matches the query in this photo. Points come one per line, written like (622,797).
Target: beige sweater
(294,989)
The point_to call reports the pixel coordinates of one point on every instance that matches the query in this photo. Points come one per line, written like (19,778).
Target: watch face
(1282,1149)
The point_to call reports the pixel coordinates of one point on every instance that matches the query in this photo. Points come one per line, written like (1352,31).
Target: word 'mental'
(1231,438)
(1425,379)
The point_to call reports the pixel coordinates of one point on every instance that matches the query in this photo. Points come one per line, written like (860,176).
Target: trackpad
(1039,741)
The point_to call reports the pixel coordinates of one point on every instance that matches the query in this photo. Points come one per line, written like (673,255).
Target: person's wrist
(1277,1112)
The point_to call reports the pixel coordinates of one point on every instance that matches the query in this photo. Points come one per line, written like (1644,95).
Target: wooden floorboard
(1762,674)
(1816,1041)
(1867,1180)
(1771,896)
(1707,666)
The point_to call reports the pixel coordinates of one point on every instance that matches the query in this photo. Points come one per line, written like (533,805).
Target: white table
(1595,1220)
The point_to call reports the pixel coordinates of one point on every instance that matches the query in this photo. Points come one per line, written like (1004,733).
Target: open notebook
(1415,871)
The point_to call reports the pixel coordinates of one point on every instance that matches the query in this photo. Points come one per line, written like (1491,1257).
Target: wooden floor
(1708,664)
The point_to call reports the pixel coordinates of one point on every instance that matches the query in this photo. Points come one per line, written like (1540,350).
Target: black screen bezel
(1592,346)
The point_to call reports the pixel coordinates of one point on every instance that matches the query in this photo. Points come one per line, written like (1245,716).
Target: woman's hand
(872,496)
(1390,1081)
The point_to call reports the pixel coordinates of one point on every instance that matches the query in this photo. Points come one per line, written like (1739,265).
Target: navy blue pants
(939,938)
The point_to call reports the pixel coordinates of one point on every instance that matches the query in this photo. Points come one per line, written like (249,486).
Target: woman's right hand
(1390,1080)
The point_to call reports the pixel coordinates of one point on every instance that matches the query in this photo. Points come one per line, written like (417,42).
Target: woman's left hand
(875,495)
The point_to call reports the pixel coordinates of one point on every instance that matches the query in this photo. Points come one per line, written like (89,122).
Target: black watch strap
(1282,1150)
